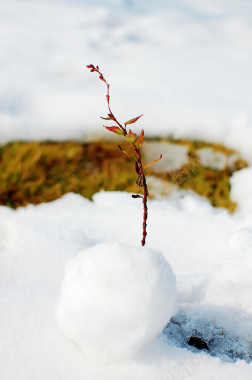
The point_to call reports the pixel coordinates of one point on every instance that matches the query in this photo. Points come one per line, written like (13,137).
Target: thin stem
(108,99)
(145,213)
(142,183)
(114,118)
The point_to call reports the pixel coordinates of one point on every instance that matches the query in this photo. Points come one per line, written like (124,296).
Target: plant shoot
(136,143)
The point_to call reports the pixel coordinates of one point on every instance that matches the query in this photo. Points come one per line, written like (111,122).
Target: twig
(136,143)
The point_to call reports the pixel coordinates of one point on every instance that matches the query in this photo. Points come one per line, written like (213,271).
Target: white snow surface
(209,252)
(185,65)
(115,299)
(241,189)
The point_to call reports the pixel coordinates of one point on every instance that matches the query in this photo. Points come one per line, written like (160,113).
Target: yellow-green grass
(36,172)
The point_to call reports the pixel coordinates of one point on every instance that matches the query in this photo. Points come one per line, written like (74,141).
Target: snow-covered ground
(65,294)
(208,250)
(185,64)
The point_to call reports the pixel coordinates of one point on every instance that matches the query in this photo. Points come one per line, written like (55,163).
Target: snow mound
(241,189)
(115,299)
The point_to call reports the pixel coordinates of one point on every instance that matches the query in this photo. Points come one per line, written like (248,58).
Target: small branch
(136,196)
(141,182)
(136,143)
(145,213)
(153,162)
(124,151)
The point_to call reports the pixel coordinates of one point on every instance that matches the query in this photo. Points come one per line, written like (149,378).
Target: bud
(131,137)
(110,117)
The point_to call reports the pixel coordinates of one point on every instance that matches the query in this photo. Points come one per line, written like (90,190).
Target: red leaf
(139,140)
(116,130)
(131,121)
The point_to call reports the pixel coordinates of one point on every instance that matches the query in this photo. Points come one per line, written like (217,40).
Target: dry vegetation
(35,172)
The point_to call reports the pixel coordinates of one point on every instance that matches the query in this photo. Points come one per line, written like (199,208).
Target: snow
(209,252)
(226,332)
(173,156)
(115,299)
(216,160)
(241,187)
(186,66)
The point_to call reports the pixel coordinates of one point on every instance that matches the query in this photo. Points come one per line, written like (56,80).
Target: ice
(115,299)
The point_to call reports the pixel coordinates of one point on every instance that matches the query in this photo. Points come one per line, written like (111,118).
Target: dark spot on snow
(220,332)
(198,343)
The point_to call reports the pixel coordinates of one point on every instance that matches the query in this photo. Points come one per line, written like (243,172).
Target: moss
(210,183)
(35,172)
(38,172)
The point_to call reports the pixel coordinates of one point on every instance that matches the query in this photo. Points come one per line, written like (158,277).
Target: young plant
(136,143)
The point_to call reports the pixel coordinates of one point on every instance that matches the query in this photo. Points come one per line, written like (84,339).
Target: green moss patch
(36,172)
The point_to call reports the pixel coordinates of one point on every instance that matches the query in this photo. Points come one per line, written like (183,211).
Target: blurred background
(186,65)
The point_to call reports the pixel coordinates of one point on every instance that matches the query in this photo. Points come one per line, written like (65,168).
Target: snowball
(115,299)
(241,189)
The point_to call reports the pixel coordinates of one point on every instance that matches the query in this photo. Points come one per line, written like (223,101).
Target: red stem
(145,214)
(146,193)
(108,98)
(142,182)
